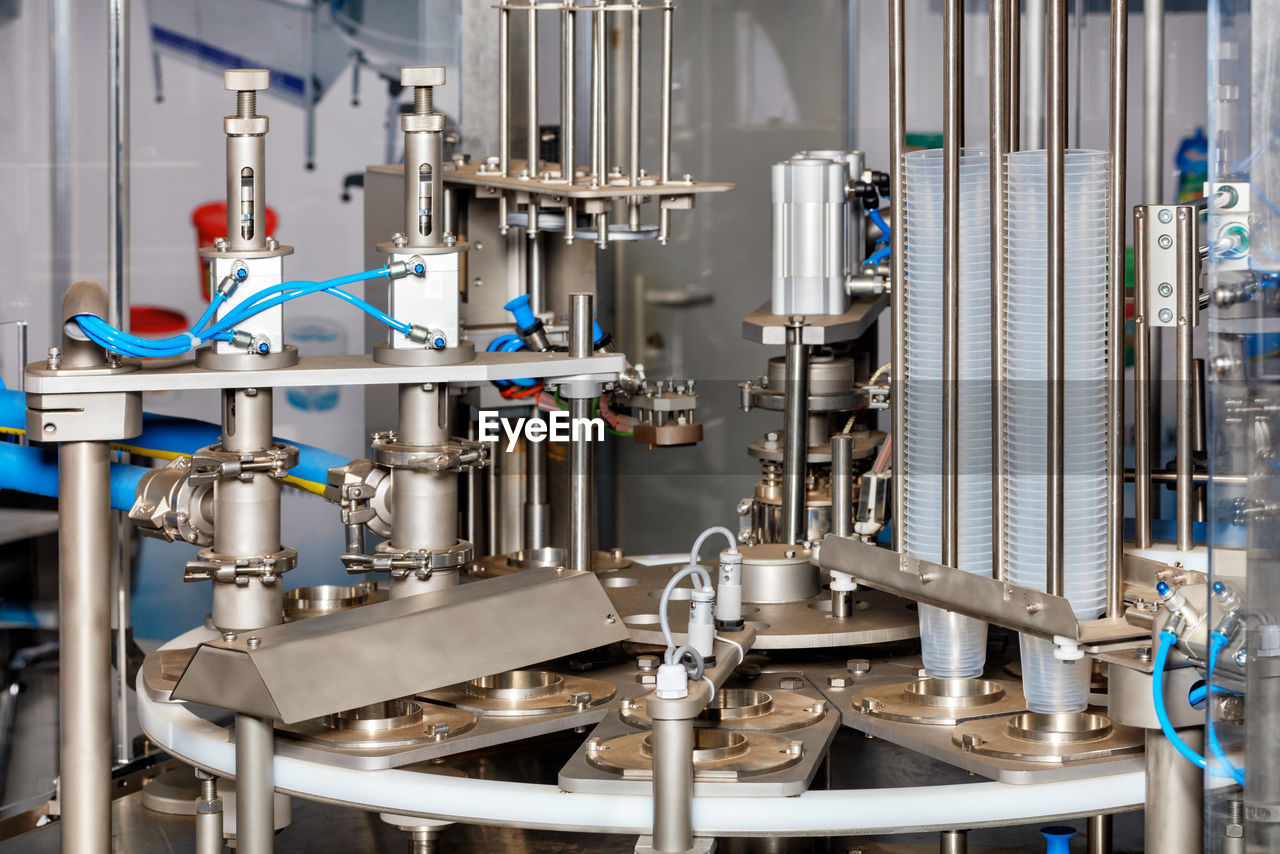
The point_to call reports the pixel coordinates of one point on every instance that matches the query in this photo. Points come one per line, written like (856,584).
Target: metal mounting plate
(358,369)
(305,669)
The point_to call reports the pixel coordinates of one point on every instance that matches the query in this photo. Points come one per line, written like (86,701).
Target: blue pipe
(1167,639)
(35,471)
(1057,838)
(167,436)
(527,320)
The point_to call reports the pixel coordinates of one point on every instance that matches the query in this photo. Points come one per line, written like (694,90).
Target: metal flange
(718,754)
(520,693)
(742,709)
(1055,739)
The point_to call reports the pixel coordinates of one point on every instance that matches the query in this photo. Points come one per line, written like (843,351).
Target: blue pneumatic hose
(35,471)
(1167,640)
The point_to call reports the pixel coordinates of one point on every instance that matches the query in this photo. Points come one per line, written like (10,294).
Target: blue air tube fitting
(1057,839)
(528,324)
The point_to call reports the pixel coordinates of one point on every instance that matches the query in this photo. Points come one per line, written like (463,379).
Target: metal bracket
(225,569)
(1010,605)
(214,463)
(92,417)
(1164,246)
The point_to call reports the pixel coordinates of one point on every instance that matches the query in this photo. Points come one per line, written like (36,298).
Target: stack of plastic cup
(952,645)
(1052,685)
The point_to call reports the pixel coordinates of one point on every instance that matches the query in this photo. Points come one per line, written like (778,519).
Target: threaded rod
(246,103)
(423,101)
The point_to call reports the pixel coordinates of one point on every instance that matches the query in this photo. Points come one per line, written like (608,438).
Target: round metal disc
(519,693)
(1055,739)
(717,753)
(939,702)
(212,361)
(385,354)
(743,709)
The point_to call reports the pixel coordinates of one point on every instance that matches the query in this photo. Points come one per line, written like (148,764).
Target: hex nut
(647,662)
(422,75)
(412,123)
(790,683)
(838,681)
(858,666)
(246,79)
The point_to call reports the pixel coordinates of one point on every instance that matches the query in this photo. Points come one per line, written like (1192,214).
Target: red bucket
(211,223)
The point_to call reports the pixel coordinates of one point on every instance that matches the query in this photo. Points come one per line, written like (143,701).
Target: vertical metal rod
(1186,290)
(1099,828)
(534,282)
(952,142)
(60,121)
(599,94)
(255,785)
(1014,9)
(795,436)
(533,144)
(1153,102)
(1117,226)
(581,482)
(118,164)
(672,785)
(568,94)
(664,156)
(1056,97)
(898,249)
(953,842)
(504,89)
(1141,385)
(1001,142)
(537,510)
(84,674)
(668,38)
(842,485)
(477,529)
(121,577)
(1033,126)
(633,203)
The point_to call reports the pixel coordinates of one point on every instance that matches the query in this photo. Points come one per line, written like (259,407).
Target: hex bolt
(838,681)
(246,83)
(858,666)
(1142,653)
(229,636)
(580,700)
(647,662)
(790,683)
(254,642)
(55,358)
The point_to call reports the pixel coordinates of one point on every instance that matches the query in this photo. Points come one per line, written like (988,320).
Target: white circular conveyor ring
(538,806)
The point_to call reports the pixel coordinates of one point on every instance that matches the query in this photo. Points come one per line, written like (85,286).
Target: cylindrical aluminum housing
(809,252)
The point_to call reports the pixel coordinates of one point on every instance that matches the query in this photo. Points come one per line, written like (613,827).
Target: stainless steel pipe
(533,143)
(898,250)
(952,143)
(1056,96)
(953,842)
(1174,816)
(633,104)
(118,219)
(1186,290)
(1117,226)
(504,91)
(842,485)
(1141,386)
(581,474)
(999,72)
(424,505)
(672,785)
(568,94)
(1098,831)
(795,436)
(84,632)
(255,785)
(1153,102)
(537,510)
